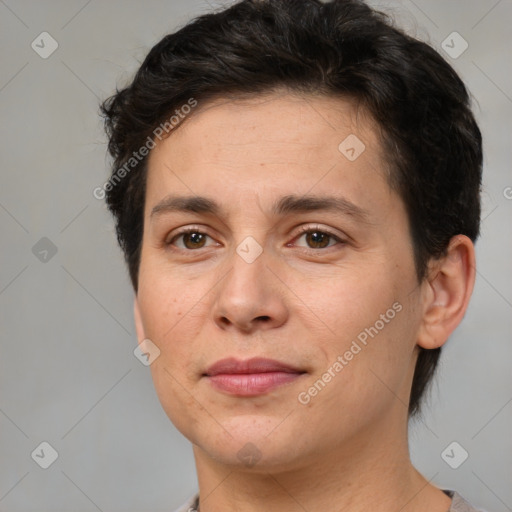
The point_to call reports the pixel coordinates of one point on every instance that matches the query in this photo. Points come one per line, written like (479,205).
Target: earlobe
(139,327)
(449,288)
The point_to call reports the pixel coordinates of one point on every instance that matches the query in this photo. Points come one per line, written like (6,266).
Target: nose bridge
(246,296)
(245,283)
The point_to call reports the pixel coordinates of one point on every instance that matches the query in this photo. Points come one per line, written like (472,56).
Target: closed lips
(254,365)
(250,378)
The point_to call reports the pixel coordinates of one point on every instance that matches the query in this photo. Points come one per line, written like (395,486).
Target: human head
(340,49)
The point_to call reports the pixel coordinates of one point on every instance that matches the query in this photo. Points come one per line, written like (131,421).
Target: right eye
(189,239)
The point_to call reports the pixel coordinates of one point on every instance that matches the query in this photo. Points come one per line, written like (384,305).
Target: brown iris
(194,240)
(317,239)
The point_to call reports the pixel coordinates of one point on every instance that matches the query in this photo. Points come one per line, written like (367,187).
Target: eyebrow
(285,205)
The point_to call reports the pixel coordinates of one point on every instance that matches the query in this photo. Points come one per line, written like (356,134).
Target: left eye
(316,239)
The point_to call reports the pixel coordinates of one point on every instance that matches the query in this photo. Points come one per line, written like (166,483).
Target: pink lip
(251,377)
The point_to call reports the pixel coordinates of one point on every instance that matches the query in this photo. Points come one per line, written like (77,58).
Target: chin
(252,444)
(256,456)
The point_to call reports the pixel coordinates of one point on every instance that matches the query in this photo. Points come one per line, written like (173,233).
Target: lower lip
(251,384)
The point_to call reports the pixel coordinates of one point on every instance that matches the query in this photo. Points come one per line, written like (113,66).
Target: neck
(371,471)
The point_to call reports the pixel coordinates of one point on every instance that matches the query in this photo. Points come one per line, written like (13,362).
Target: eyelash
(303,230)
(186,231)
(317,229)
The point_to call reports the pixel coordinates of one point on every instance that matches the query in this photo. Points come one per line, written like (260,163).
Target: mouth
(251,377)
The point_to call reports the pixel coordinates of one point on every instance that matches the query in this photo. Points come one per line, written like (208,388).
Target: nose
(250,297)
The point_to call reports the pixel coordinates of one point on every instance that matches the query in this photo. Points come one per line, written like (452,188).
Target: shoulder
(459,504)
(190,505)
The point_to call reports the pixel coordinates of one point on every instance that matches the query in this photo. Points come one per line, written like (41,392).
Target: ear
(139,327)
(446,292)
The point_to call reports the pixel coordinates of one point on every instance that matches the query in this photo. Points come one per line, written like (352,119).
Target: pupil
(317,239)
(194,239)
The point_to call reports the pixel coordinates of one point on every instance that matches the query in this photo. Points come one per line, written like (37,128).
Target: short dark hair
(340,48)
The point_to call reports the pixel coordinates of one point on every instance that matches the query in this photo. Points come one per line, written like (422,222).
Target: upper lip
(231,365)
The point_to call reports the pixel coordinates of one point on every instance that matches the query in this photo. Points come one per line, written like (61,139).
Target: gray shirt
(459,504)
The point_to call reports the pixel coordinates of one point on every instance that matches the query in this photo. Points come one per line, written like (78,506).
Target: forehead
(277,117)
(278,140)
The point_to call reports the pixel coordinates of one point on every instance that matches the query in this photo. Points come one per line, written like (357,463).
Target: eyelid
(169,239)
(316,227)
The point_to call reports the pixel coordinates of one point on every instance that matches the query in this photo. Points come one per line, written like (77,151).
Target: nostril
(264,318)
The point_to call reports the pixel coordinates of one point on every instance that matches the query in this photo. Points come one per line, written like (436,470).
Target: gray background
(68,375)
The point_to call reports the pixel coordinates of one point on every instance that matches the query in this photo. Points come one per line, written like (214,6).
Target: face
(277,280)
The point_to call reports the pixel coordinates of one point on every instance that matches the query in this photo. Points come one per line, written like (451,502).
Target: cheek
(369,319)
(345,301)
(169,311)
(166,308)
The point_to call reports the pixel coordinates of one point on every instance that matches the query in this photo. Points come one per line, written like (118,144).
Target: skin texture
(297,302)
